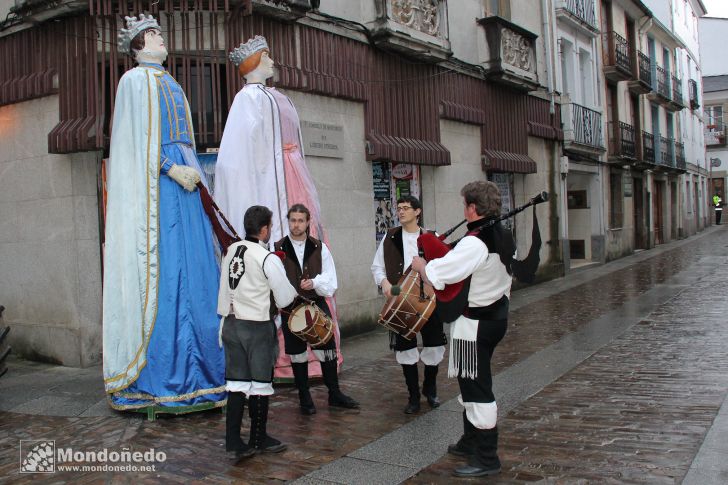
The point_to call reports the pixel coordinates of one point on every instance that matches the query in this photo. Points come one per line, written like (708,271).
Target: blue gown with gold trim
(185,365)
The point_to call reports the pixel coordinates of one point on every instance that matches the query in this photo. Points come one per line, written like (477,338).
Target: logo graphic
(37,456)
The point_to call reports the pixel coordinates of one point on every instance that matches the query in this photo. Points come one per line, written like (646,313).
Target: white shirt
(409,243)
(324,284)
(490,280)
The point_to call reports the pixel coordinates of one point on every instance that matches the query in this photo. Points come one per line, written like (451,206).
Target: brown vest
(311,264)
(394,254)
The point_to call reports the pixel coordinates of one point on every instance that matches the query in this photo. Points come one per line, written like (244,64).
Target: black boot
(484,461)
(300,377)
(411,377)
(429,386)
(331,379)
(259,439)
(233,421)
(466,444)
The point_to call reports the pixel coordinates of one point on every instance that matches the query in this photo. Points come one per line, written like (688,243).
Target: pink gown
(300,189)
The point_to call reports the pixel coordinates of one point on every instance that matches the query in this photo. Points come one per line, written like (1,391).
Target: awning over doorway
(406,150)
(499,161)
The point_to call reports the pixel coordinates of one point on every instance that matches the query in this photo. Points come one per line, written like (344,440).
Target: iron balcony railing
(622,141)
(677,91)
(587,126)
(644,71)
(616,51)
(648,147)
(662,82)
(693,93)
(583,10)
(715,134)
(667,152)
(680,161)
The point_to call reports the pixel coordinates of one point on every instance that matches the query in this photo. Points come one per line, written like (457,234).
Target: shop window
(577,199)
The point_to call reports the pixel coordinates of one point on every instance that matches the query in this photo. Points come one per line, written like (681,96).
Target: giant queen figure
(160,270)
(261,159)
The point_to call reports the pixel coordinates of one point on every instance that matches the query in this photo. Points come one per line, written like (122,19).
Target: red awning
(498,161)
(406,150)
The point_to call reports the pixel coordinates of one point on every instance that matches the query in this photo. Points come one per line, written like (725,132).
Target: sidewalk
(604,374)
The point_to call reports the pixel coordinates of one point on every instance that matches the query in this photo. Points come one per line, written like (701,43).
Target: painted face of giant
(154,47)
(266,65)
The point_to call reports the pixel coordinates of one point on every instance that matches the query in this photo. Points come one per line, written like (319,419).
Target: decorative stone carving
(516,50)
(422,15)
(509,53)
(414,28)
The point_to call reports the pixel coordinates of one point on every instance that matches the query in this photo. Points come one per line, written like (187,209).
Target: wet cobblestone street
(612,375)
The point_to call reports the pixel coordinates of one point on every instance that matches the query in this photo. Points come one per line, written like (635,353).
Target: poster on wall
(382,182)
(505,185)
(390,182)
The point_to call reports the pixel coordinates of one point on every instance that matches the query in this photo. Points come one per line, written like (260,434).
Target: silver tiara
(239,54)
(133,27)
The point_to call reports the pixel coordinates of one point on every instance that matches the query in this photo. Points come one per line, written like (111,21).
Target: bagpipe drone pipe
(224,231)
(453,299)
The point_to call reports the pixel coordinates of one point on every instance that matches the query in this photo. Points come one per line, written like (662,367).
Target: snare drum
(317,329)
(408,312)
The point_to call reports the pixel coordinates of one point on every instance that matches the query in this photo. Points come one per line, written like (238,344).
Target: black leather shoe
(467,471)
(243,452)
(308,410)
(433,401)
(458,450)
(341,400)
(412,408)
(272,445)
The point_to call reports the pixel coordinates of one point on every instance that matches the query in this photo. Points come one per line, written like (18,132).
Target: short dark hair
(256,218)
(485,195)
(301,209)
(412,200)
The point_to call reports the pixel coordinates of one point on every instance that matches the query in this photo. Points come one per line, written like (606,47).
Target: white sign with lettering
(322,139)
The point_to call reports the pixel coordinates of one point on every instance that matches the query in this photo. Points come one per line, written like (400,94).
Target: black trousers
(293,344)
(492,325)
(432,336)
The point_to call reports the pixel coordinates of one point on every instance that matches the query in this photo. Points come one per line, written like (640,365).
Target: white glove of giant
(187,177)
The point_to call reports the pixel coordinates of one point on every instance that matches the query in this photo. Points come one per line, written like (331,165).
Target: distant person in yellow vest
(718,204)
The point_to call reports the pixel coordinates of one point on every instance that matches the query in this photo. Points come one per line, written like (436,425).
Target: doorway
(639,214)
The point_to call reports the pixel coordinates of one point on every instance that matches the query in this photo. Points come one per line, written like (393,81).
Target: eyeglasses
(403,208)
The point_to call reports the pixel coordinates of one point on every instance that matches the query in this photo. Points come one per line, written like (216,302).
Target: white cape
(249,169)
(131,262)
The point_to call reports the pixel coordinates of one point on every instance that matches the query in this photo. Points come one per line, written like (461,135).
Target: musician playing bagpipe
(392,258)
(484,260)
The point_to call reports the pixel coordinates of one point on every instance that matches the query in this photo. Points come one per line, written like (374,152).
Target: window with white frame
(714,116)
(567,68)
(500,8)
(586,78)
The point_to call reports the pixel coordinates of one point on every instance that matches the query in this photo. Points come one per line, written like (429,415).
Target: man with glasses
(394,255)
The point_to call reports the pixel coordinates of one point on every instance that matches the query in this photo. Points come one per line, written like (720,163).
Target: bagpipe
(413,301)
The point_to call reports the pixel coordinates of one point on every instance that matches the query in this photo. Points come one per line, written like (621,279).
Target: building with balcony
(713,33)
(675,31)
(577,31)
(423,96)
(647,69)
(715,92)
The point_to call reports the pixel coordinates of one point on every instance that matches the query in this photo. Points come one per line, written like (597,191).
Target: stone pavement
(617,373)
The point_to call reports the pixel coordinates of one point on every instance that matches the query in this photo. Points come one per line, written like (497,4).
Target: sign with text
(322,139)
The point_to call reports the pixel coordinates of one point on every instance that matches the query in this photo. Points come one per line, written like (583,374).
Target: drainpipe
(548,39)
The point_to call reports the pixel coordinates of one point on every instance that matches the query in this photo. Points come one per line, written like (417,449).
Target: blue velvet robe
(185,365)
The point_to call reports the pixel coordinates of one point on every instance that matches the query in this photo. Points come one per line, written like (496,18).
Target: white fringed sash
(463,348)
